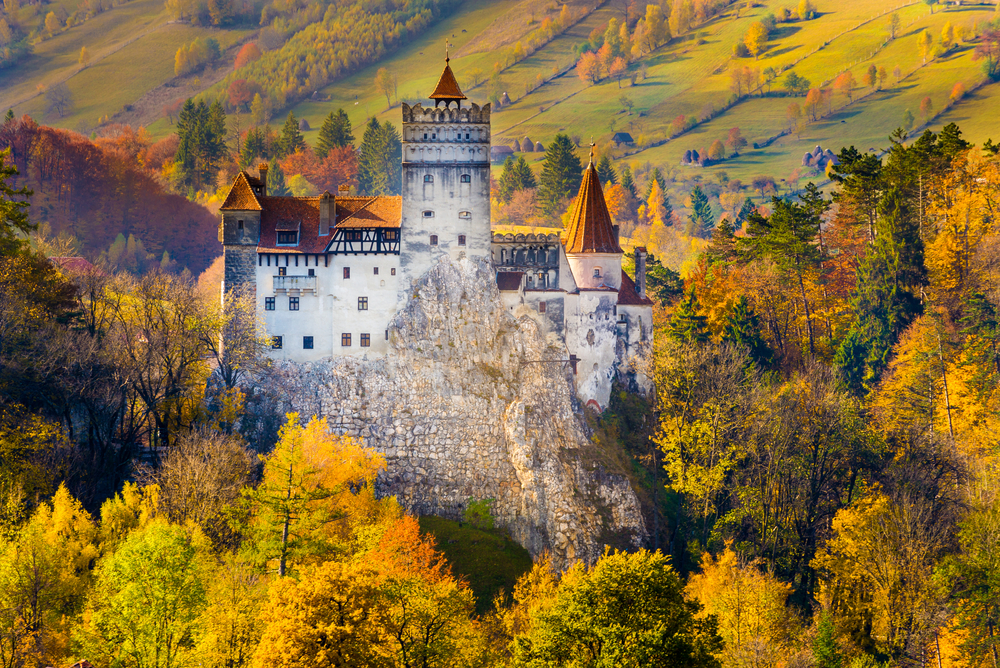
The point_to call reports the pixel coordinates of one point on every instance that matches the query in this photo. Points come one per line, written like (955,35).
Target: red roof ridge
(590,229)
(361,208)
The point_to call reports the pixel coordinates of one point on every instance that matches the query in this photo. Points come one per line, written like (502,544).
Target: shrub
(478,514)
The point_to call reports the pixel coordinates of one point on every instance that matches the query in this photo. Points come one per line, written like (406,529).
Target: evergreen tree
(380,162)
(701,219)
(745,211)
(507,181)
(788,238)
(723,245)
(254,148)
(606,172)
(663,283)
(687,325)
(201,133)
(825,650)
(291,140)
(627,181)
(657,177)
(524,177)
(276,181)
(743,330)
(561,175)
(9,116)
(335,133)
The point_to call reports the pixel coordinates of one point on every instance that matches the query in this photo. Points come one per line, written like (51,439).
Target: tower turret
(446,179)
(591,239)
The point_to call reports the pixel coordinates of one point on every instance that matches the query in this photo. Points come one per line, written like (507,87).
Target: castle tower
(446,179)
(240,229)
(591,239)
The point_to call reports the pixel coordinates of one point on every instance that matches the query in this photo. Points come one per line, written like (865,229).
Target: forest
(817,463)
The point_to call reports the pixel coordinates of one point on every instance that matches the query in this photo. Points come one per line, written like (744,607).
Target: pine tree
(687,325)
(743,329)
(627,181)
(723,245)
(335,133)
(745,211)
(254,148)
(379,165)
(201,133)
(825,650)
(291,140)
(663,283)
(655,177)
(9,116)
(507,184)
(561,175)
(276,181)
(606,172)
(524,177)
(701,219)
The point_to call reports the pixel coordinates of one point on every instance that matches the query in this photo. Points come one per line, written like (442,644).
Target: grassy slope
(488,560)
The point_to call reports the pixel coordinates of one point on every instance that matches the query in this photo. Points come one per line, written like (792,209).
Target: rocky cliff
(473,403)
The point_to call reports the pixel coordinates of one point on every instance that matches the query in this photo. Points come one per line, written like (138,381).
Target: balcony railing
(294,283)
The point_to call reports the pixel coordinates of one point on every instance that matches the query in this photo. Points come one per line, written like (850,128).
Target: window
(465,215)
(425,135)
(461,239)
(362,303)
(276,342)
(366,340)
(466,178)
(434,240)
(428,178)
(387,335)
(391,235)
(466,135)
(293,303)
(392,271)
(597,272)
(428,214)
(282,271)
(239,224)
(307,343)
(347,272)
(376,271)
(288,238)
(345,340)
(434,135)
(268,303)
(541,307)
(312,272)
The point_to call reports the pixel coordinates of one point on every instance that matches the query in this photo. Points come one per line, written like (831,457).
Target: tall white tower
(446,179)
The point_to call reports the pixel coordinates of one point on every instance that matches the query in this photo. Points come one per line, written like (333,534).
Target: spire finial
(591,149)
(447,57)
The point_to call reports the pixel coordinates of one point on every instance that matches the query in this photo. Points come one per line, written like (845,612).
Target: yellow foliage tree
(749,605)
(756,39)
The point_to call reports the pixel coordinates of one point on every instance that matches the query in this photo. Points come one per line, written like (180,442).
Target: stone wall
(473,403)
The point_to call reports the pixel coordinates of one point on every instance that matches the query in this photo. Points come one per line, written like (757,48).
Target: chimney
(344,190)
(618,233)
(325,210)
(262,170)
(640,270)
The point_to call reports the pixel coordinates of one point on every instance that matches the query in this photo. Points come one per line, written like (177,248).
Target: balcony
(294,284)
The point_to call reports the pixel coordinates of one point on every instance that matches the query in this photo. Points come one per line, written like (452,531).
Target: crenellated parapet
(471,114)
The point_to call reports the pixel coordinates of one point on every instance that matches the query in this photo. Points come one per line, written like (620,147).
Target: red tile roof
(73,265)
(241,197)
(285,213)
(627,295)
(509,281)
(447,86)
(590,229)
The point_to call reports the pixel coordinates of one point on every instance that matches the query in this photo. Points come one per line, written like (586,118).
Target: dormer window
(288,233)
(428,178)
(466,178)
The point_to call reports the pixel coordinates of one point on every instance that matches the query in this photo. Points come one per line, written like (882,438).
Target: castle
(330,272)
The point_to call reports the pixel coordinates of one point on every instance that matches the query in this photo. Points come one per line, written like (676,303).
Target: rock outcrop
(473,403)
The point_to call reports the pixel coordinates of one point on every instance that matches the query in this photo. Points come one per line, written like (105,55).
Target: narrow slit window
(392,272)
(376,271)
(347,272)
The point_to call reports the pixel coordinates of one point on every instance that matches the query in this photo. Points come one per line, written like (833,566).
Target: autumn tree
(926,108)
(627,610)
(735,140)
(845,84)
(926,43)
(308,483)
(248,53)
(893,25)
(756,39)
(870,77)
(385,83)
(589,68)
(988,50)
(84,58)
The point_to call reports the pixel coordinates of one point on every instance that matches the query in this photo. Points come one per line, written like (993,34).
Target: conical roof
(447,86)
(590,229)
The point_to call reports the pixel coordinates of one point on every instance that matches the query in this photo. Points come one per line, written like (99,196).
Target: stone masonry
(473,403)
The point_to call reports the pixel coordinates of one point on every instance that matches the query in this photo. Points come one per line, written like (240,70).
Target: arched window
(466,178)
(428,178)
